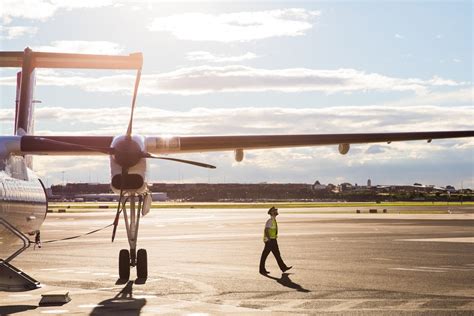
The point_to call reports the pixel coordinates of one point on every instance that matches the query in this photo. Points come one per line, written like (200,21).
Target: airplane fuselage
(23,202)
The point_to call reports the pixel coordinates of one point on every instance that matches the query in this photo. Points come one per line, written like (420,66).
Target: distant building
(450,188)
(331,187)
(318,186)
(346,186)
(369,183)
(159,196)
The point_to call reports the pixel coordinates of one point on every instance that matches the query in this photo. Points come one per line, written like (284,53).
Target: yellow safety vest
(273,231)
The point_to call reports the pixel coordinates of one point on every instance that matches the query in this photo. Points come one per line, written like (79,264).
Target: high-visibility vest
(273,231)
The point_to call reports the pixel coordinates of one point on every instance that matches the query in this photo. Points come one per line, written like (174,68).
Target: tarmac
(205,262)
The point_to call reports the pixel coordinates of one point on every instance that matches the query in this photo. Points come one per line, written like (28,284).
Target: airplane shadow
(13,309)
(286,281)
(122,303)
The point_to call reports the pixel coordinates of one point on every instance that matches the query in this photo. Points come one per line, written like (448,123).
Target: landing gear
(132,258)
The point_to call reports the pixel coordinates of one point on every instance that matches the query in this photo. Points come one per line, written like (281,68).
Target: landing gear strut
(132,258)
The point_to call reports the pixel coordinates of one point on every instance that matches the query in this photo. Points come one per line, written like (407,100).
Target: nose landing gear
(132,258)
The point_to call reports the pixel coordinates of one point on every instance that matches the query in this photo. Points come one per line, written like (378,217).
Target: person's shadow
(286,281)
(121,303)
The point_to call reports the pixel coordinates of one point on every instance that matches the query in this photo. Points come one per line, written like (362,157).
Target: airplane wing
(216,143)
(90,145)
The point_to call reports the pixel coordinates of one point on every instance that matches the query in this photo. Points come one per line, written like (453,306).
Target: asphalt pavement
(206,262)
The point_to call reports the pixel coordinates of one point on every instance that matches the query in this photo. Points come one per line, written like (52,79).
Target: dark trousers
(271,245)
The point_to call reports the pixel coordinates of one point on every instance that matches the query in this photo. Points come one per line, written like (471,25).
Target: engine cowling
(135,179)
(344,148)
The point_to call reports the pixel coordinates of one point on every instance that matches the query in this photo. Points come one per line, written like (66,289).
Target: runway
(206,262)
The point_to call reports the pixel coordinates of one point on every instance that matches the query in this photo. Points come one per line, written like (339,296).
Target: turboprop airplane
(22,194)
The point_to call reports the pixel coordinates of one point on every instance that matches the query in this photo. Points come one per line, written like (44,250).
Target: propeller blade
(137,82)
(194,163)
(104,150)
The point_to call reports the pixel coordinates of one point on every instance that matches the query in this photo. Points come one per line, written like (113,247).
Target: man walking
(270,238)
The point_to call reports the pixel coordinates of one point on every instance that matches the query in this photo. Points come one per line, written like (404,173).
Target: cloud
(249,120)
(376,149)
(57,164)
(43,9)
(209,57)
(12,32)
(211,79)
(399,36)
(81,47)
(463,96)
(238,26)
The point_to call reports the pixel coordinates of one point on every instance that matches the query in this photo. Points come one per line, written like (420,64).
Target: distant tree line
(206,192)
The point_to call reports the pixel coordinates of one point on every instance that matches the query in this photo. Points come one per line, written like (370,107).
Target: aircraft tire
(142,264)
(124,264)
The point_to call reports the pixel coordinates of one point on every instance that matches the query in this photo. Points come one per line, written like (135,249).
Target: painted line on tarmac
(419,269)
(90,306)
(450,268)
(447,239)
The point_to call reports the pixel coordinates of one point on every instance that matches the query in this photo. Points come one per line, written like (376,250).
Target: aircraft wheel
(142,264)
(124,264)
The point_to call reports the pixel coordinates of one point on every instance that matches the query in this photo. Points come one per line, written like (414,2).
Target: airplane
(23,199)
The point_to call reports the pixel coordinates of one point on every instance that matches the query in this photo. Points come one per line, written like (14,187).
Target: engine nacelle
(344,148)
(239,155)
(135,180)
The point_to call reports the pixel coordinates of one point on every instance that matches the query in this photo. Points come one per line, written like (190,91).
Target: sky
(245,68)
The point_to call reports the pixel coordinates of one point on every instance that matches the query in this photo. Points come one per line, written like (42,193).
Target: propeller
(126,151)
